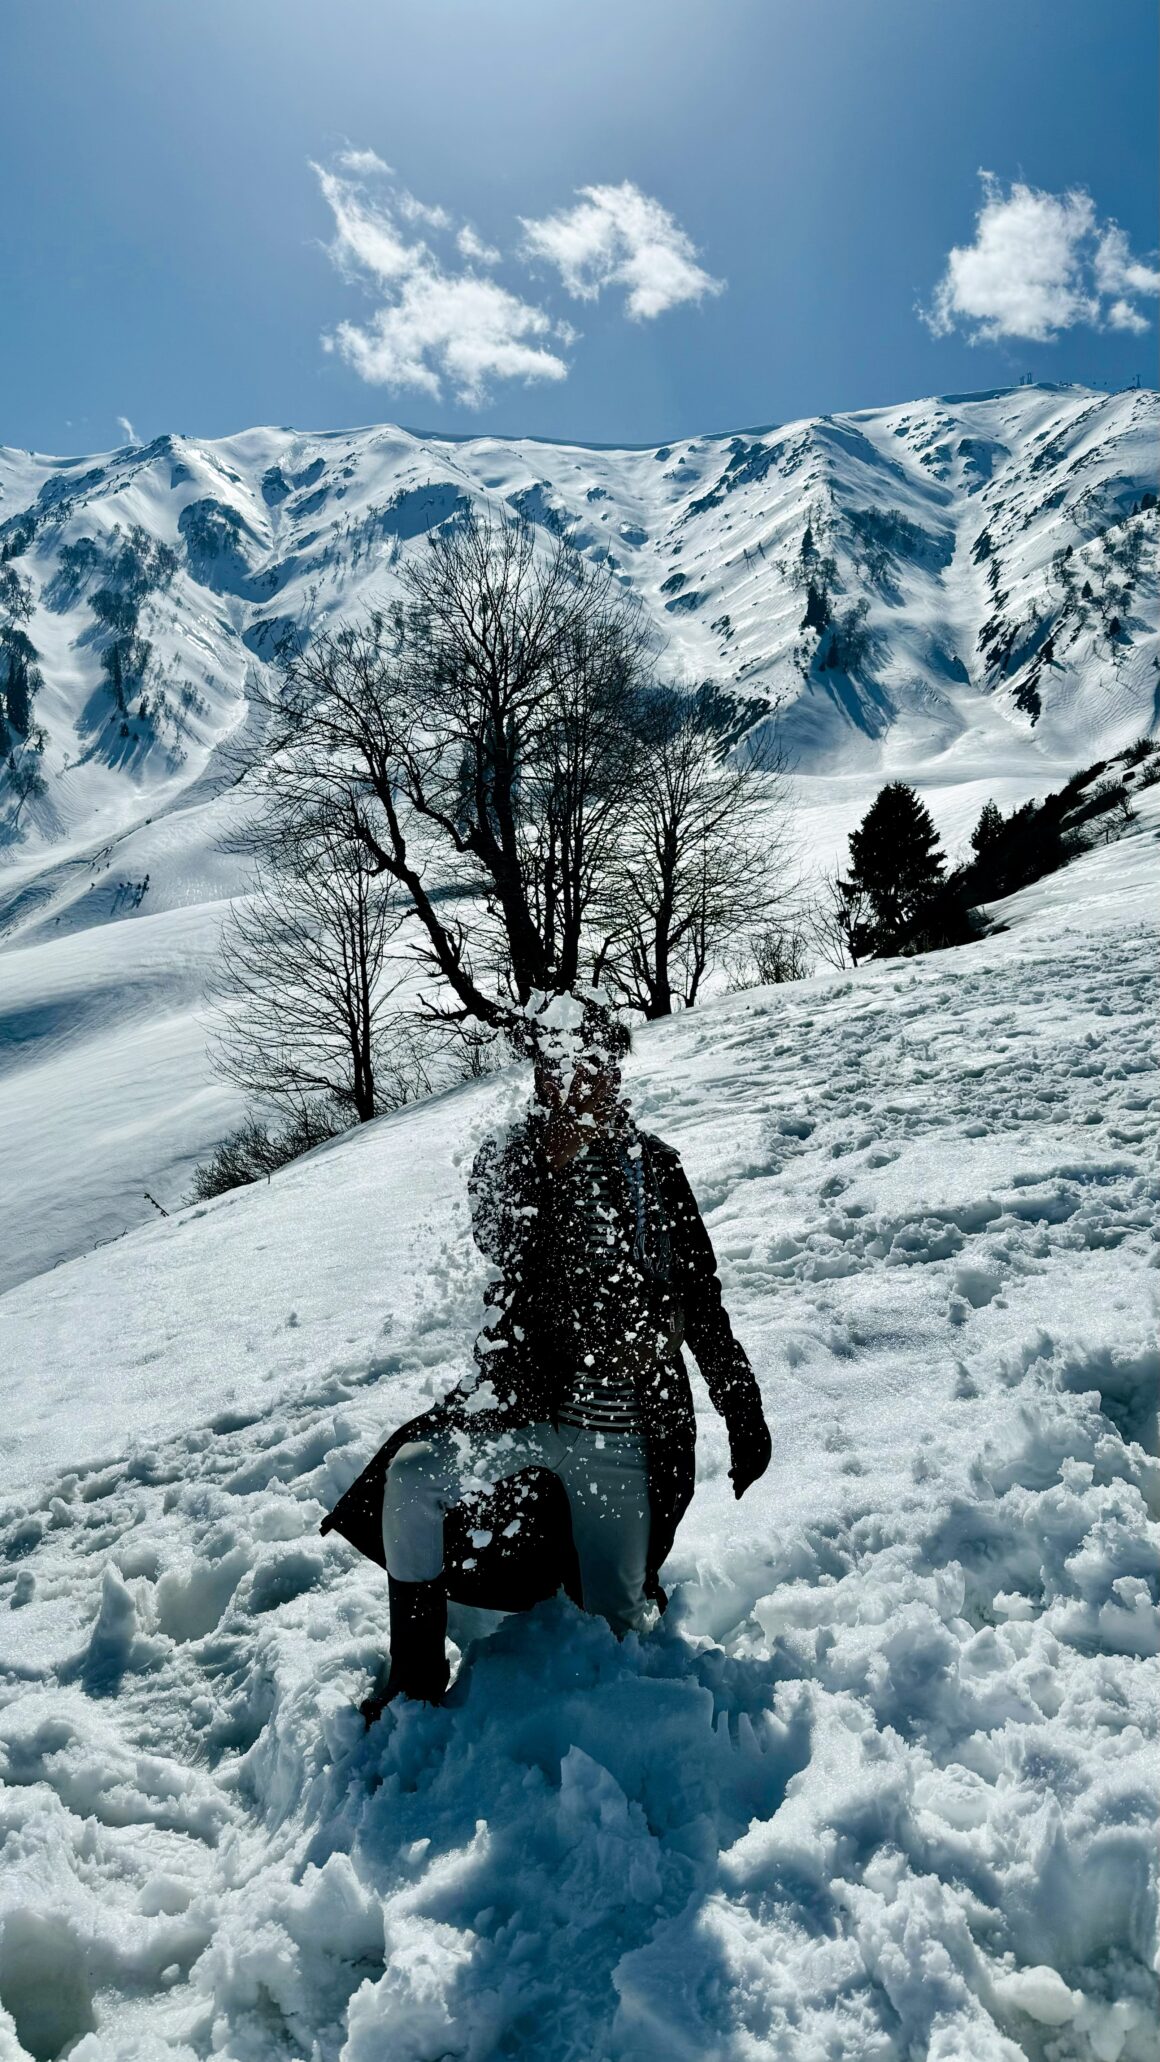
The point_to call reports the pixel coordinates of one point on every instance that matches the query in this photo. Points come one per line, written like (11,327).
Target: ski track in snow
(882,1783)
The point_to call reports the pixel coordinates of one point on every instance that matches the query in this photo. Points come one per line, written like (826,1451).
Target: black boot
(418,1655)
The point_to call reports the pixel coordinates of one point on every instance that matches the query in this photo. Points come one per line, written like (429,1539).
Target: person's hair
(605,1033)
(601,1036)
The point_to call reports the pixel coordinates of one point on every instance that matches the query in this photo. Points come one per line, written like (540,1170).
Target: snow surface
(880,1785)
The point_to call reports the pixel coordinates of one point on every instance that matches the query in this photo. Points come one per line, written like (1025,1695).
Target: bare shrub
(253,1152)
(836,919)
(779,952)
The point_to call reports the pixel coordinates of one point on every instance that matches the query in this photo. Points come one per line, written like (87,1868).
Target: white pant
(604,1474)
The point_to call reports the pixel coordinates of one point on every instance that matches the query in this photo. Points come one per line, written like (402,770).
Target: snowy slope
(882,1783)
(937,533)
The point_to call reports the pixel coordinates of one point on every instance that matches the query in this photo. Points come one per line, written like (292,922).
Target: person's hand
(750,1452)
(564,1135)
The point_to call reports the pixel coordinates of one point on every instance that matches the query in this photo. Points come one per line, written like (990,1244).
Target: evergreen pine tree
(896,861)
(817,613)
(23,677)
(988,830)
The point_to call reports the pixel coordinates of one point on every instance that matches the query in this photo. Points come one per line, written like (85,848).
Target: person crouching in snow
(606,1268)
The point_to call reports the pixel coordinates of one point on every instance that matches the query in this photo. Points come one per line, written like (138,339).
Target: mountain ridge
(830,571)
(436,436)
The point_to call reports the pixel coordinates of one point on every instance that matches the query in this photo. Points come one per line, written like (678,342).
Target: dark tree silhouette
(21,675)
(25,781)
(817,613)
(988,831)
(896,862)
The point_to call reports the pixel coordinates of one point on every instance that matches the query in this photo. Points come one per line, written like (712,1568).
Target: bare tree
(303,988)
(776,953)
(483,730)
(695,866)
(836,920)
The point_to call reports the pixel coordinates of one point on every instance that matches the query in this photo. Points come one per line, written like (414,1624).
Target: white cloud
(438,321)
(1119,274)
(473,246)
(413,210)
(362,164)
(618,236)
(467,330)
(1040,263)
(126,427)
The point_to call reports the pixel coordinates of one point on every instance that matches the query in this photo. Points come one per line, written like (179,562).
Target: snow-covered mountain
(960,592)
(839,578)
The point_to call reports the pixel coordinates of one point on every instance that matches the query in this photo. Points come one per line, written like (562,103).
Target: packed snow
(881,1784)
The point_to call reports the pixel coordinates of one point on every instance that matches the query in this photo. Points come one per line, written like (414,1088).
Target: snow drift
(881,1784)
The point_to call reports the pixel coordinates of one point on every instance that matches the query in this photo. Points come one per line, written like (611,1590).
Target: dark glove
(750,1449)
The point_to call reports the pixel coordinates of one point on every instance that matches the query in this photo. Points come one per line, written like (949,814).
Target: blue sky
(613,222)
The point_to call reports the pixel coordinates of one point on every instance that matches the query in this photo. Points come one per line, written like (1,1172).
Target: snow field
(881,1784)
(105,1085)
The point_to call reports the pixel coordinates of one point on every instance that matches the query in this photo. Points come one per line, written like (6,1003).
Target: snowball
(1041,1993)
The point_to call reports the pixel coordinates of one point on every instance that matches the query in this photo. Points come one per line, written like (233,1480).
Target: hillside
(883,1782)
(982,608)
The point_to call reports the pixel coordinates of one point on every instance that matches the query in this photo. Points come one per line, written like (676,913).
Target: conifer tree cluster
(840,637)
(898,894)
(20,675)
(21,742)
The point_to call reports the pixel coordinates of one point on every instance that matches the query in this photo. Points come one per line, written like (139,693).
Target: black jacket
(527,1351)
